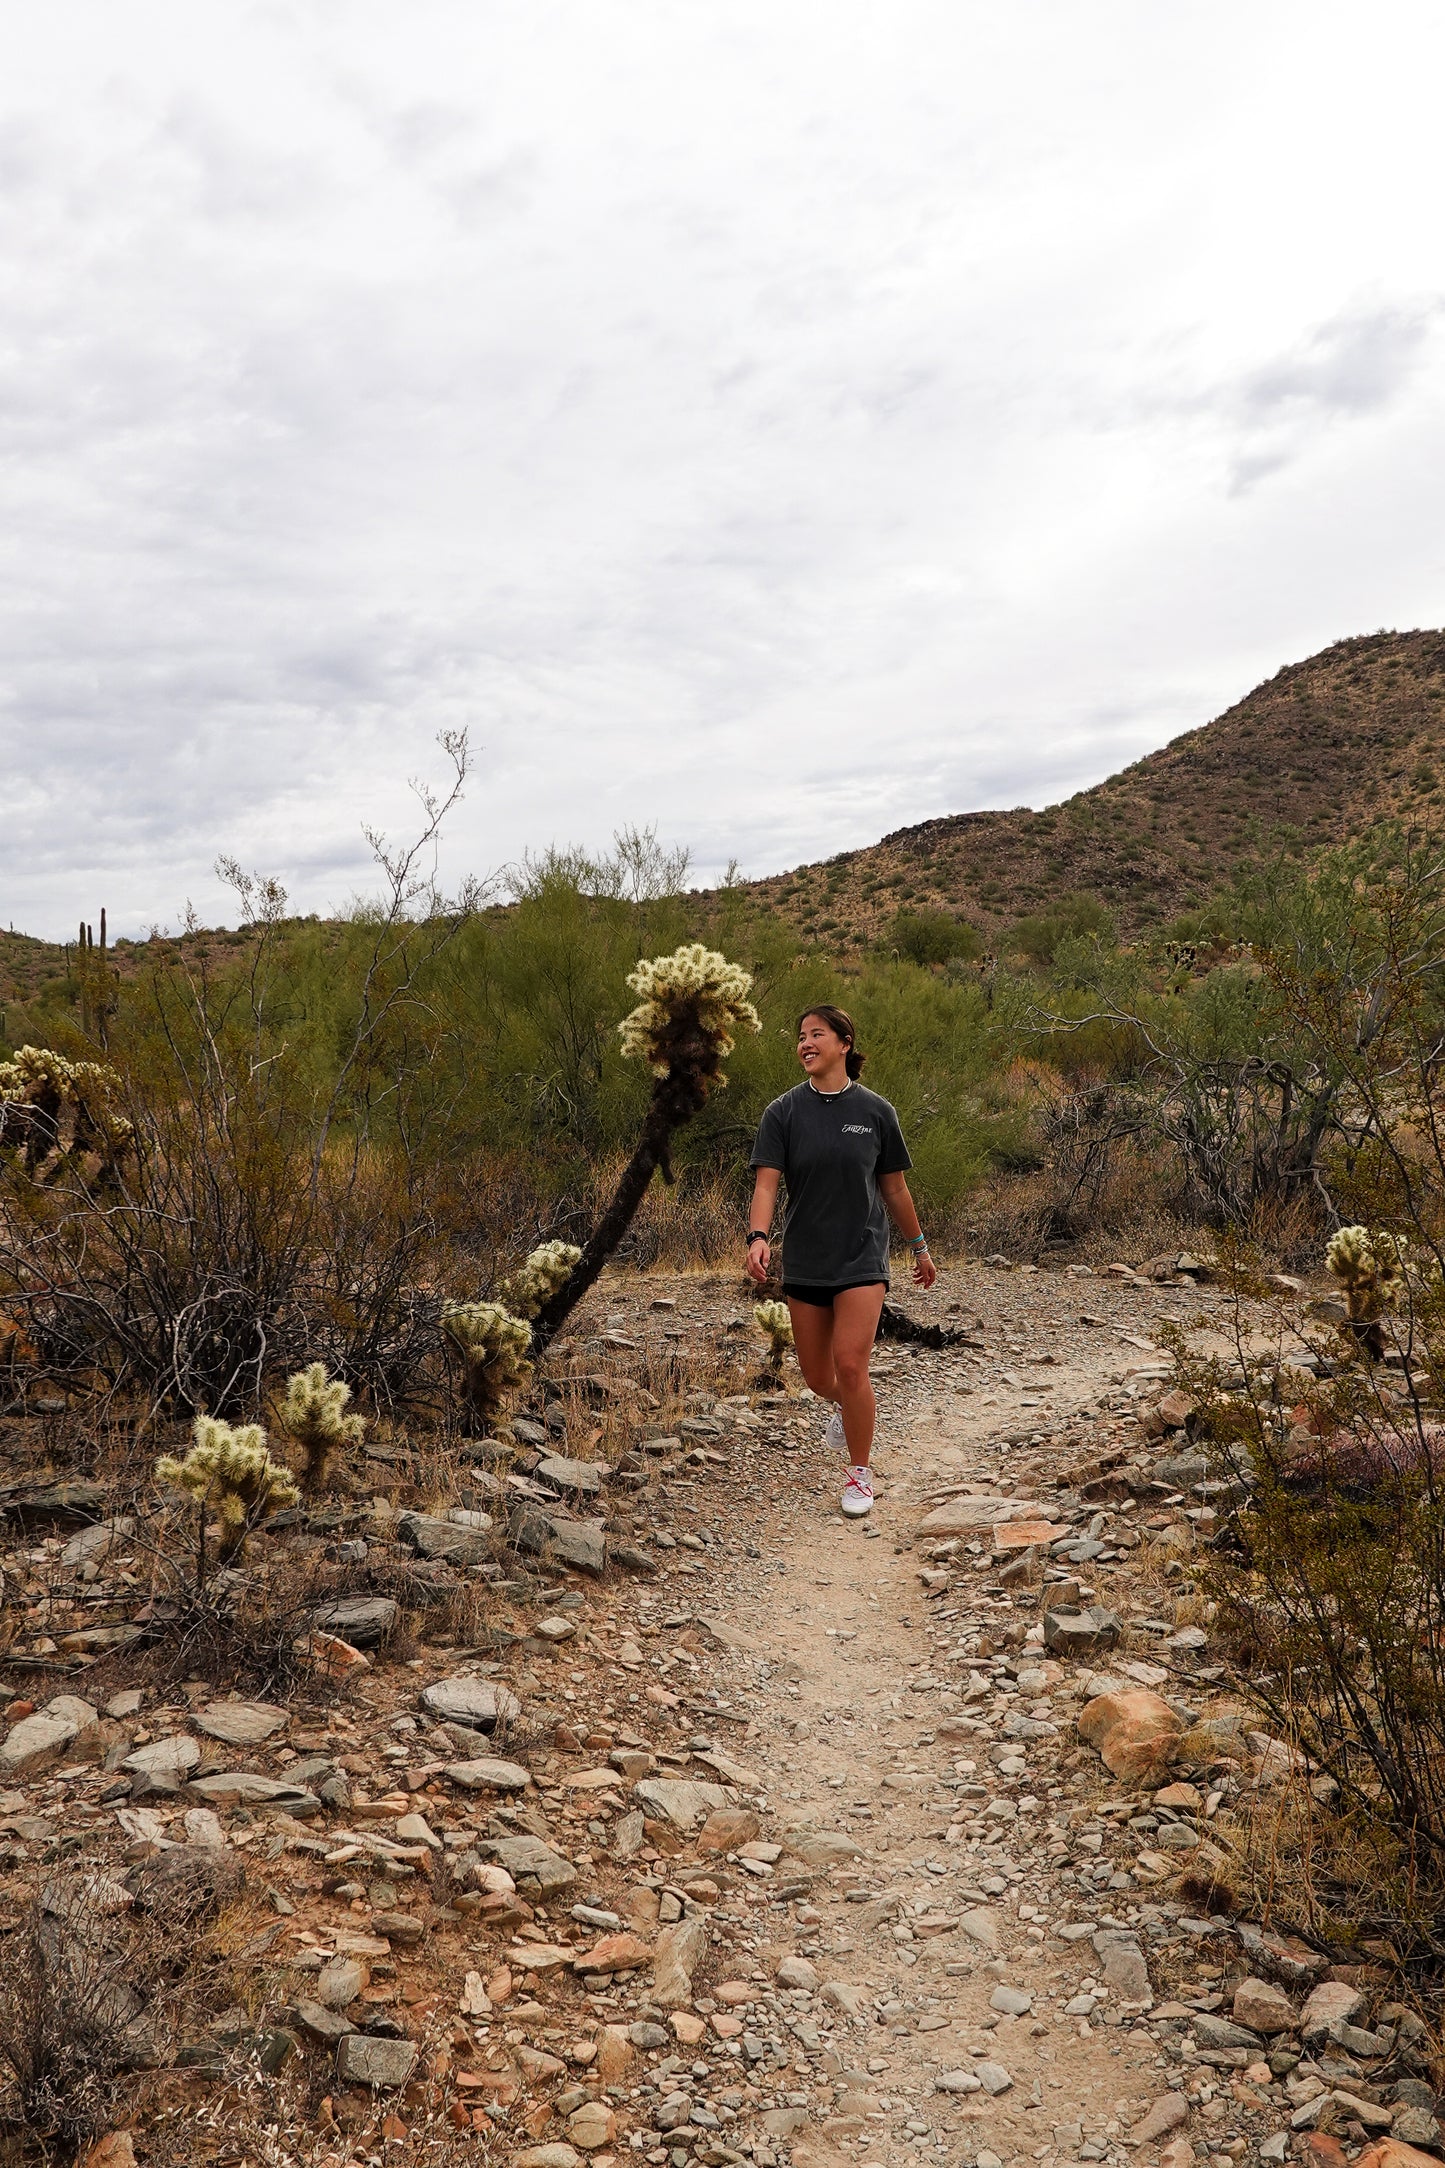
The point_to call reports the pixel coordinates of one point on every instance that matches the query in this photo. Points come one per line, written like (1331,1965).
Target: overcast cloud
(779,421)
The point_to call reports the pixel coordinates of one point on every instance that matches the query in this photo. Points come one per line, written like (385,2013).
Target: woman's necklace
(844,1087)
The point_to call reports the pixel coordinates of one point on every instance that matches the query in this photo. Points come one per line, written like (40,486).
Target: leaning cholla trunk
(693,1001)
(674,1101)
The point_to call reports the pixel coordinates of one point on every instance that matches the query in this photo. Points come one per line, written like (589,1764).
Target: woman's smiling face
(819,1046)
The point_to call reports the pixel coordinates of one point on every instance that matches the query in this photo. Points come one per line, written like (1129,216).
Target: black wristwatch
(755,1234)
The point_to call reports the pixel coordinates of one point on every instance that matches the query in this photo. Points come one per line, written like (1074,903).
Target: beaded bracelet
(918,1242)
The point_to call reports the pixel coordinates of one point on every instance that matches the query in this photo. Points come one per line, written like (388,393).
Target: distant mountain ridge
(1305,760)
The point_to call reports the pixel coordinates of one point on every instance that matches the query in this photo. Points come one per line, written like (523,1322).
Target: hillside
(1306,759)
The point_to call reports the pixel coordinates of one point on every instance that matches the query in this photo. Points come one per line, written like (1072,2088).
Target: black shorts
(821,1298)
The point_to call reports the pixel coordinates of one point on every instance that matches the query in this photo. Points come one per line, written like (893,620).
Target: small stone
(688,2027)
(615,1953)
(1175,1409)
(981,1926)
(165,1764)
(1123,1965)
(487,1774)
(1396,2153)
(727,1829)
(341,1981)
(797,1972)
(593,2126)
(240,1723)
(37,1742)
(1135,1732)
(616,2054)
(683,1801)
(532,1864)
(958,2081)
(364,2059)
(646,2035)
(1263,2008)
(479,1704)
(400,1928)
(1179,2153)
(364,1622)
(1333,2002)
(1011,2001)
(1162,2116)
(324,2025)
(680,1950)
(993,2077)
(552,2155)
(1081,1633)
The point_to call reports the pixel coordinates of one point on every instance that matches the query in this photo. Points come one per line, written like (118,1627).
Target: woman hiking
(842,1154)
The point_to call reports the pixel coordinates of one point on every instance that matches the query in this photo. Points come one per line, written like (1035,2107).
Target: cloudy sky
(779,420)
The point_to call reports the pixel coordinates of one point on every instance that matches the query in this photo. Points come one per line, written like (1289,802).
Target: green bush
(931,937)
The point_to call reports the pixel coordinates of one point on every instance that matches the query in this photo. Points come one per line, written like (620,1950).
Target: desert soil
(924,1927)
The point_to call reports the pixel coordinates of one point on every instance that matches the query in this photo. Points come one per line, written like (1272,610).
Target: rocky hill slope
(1307,759)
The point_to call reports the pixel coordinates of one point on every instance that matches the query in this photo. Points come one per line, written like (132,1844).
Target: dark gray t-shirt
(831,1148)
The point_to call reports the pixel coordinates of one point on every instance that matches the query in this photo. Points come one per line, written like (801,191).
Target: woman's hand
(925,1271)
(760,1257)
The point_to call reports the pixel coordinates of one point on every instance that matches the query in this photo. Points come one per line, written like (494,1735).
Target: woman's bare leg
(856,1312)
(833,1347)
(813,1346)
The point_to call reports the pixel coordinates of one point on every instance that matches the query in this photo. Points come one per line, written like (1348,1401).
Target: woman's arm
(760,1215)
(893,1189)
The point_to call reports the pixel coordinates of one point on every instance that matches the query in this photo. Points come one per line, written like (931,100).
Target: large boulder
(38,1741)
(1135,1733)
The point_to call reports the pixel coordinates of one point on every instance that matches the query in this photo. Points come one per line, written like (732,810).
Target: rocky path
(910,1750)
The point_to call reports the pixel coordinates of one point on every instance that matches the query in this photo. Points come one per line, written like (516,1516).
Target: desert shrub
(1038,937)
(932,937)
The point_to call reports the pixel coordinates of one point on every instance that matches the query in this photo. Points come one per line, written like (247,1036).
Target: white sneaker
(858,1493)
(834,1436)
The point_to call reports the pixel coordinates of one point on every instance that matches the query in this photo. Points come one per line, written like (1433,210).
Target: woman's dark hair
(841,1024)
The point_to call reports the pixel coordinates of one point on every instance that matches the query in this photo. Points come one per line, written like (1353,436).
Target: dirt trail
(860,1734)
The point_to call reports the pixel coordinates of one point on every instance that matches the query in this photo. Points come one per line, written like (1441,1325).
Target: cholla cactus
(1370,1268)
(46,1084)
(776,1325)
(313,1413)
(548,1267)
(493,1345)
(693,1002)
(232,1470)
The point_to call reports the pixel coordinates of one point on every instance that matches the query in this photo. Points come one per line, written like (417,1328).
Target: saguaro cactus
(693,1004)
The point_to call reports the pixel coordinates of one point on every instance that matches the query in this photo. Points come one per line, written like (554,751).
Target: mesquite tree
(693,1004)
